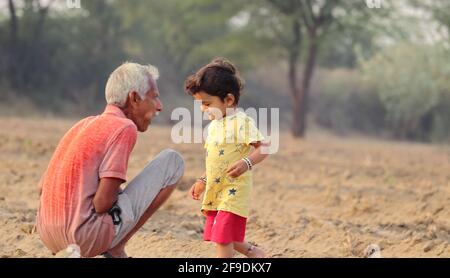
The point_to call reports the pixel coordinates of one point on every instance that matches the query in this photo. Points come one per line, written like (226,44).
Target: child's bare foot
(255,252)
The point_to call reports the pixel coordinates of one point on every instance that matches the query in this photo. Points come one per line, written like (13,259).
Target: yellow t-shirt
(228,141)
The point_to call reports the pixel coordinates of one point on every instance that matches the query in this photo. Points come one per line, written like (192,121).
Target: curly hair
(218,78)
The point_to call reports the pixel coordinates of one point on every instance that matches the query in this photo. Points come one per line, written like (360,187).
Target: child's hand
(237,169)
(197,189)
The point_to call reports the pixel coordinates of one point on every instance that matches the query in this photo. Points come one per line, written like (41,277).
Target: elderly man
(81,201)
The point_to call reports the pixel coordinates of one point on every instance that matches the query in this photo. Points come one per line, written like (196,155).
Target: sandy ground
(320,197)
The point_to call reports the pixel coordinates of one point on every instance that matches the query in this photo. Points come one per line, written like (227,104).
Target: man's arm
(40,186)
(106,195)
(40,190)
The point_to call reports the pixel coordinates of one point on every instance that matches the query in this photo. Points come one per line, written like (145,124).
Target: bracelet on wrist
(248,162)
(202,179)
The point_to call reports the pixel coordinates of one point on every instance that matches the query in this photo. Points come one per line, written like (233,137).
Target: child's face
(213,105)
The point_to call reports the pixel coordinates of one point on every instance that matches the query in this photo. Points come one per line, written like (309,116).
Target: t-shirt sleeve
(209,131)
(248,132)
(115,162)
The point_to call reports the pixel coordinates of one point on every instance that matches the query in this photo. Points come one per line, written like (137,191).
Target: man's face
(143,110)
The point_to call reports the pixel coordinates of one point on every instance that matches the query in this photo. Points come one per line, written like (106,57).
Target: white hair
(129,77)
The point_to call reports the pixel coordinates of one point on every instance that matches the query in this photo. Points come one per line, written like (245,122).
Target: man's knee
(175,160)
(173,155)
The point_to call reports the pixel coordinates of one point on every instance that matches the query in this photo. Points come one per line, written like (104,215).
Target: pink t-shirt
(95,148)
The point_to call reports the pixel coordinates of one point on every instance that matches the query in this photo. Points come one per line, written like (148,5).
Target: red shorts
(224,227)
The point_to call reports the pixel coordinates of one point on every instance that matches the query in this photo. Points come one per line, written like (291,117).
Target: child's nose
(203,108)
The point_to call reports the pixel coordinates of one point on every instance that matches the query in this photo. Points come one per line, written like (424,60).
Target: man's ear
(133,98)
(230,100)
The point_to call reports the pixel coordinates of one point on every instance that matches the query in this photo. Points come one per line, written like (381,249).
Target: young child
(229,158)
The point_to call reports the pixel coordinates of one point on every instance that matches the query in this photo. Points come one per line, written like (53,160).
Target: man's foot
(72,251)
(112,253)
(117,251)
(109,256)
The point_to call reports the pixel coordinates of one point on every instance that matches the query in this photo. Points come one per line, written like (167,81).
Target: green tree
(300,28)
(186,33)
(54,54)
(180,36)
(24,38)
(412,81)
(440,11)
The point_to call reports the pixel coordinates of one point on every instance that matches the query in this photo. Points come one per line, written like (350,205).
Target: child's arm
(257,156)
(198,188)
(240,167)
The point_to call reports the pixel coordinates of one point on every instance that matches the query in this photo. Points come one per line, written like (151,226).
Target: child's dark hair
(218,78)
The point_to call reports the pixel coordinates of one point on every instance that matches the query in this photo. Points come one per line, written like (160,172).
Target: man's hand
(197,189)
(106,195)
(237,169)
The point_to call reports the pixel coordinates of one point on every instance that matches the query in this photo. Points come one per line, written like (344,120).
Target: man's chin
(144,128)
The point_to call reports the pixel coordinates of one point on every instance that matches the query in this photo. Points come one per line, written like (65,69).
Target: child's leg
(249,250)
(224,250)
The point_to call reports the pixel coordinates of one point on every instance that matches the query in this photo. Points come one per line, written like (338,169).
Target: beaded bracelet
(248,162)
(203,179)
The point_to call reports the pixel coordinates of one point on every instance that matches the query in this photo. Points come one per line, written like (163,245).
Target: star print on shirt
(217,180)
(232,192)
(222,152)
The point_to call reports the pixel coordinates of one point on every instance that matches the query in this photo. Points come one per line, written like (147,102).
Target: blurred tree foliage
(344,102)
(412,81)
(180,36)
(183,32)
(304,30)
(60,58)
(440,10)
(57,55)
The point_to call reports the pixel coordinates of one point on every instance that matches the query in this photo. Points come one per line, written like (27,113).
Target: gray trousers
(165,169)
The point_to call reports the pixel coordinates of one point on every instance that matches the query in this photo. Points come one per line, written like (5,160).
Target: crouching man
(81,201)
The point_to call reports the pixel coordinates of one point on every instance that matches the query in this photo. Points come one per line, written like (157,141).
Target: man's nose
(159,106)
